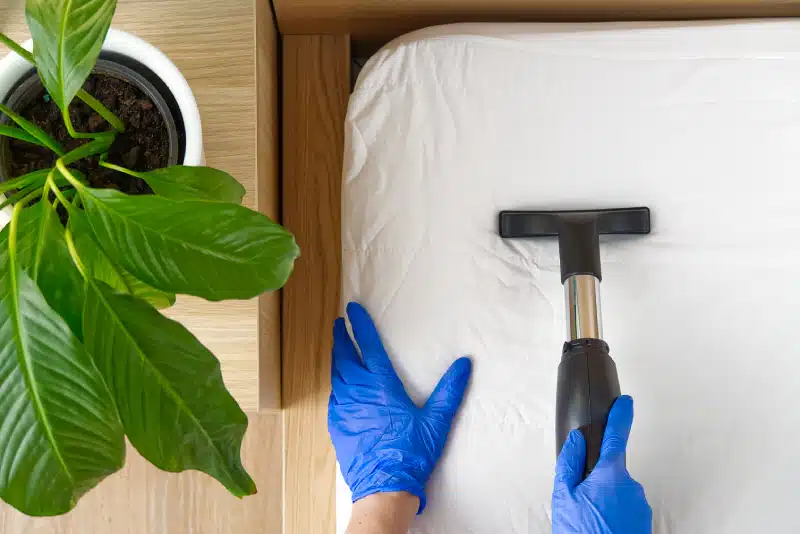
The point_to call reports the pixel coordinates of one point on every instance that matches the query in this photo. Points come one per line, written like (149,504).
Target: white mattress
(701,123)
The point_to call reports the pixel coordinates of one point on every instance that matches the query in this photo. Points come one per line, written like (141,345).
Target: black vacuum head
(578,232)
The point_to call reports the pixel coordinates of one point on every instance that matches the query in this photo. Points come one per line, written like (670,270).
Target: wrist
(389,478)
(384,512)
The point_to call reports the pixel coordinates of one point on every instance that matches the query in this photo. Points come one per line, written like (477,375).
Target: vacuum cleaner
(588,383)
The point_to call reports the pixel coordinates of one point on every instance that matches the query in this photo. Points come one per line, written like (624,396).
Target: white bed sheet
(700,122)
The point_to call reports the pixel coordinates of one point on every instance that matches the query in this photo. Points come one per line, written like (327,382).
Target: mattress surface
(701,123)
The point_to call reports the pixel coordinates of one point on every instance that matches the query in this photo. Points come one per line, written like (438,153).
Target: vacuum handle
(588,385)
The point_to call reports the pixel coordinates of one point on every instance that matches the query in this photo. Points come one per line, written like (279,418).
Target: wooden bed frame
(318,37)
(316,87)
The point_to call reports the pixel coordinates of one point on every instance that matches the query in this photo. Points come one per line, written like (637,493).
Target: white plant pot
(13,68)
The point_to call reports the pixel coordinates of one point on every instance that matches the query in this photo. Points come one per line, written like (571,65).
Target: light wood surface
(316,83)
(379,21)
(213,44)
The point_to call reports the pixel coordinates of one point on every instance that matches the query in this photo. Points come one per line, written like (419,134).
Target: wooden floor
(316,83)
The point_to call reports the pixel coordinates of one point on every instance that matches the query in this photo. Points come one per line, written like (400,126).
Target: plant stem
(68,175)
(88,99)
(74,198)
(12,238)
(68,195)
(33,130)
(45,202)
(98,146)
(101,110)
(107,165)
(73,251)
(56,191)
(12,245)
(71,129)
(18,207)
(17,49)
(62,198)
(76,258)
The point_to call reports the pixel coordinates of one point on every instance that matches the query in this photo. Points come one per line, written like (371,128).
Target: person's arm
(385,444)
(608,501)
(383,513)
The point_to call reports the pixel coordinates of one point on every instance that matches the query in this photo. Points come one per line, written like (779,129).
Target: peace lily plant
(86,358)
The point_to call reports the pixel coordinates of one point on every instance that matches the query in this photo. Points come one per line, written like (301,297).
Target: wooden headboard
(382,20)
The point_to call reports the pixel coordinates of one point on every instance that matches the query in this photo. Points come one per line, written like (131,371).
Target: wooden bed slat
(316,81)
(268,197)
(376,22)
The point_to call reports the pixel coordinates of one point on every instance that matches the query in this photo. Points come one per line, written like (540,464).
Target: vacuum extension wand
(587,377)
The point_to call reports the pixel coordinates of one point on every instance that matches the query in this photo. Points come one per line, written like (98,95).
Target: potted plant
(105,228)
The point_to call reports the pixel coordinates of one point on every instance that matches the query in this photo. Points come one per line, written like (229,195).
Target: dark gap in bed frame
(356,64)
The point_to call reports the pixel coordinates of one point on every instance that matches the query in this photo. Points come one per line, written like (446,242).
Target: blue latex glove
(609,501)
(383,441)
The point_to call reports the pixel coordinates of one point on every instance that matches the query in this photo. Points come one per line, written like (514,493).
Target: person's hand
(383,441)
(609,501)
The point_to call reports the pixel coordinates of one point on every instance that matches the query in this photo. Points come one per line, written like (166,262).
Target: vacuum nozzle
(588,384)
(577,231)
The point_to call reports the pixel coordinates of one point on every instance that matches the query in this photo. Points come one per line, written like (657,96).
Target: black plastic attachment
(587,388)
(577,231)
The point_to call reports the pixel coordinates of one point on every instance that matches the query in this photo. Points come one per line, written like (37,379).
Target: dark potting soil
(144,146)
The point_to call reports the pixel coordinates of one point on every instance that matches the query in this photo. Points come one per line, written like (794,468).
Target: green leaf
(32,178)
(99,145)
(186,183)
(91,101)
(67,38)
(19,133)
(60,434)
(208,249)
(43,253)
(160,300)
(34,131)
(18,196)
(100,267)
(168,387)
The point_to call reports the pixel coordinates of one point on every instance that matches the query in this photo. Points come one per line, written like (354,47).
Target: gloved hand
(383,441)
(609,501)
